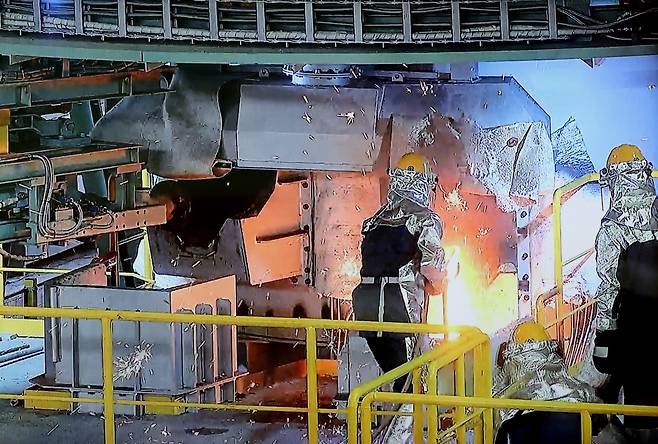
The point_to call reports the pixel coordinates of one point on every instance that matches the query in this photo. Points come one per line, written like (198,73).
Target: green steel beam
(138,51)
(79,160)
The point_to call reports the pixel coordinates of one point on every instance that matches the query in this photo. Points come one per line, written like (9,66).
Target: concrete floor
(20,426)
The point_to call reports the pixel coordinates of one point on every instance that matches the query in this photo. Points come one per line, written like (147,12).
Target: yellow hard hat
(529,331)
(414,162)
(624,153)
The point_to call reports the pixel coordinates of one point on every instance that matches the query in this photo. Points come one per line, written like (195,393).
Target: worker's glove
(606,351)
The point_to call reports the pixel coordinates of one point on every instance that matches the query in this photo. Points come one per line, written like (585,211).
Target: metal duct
(290,127)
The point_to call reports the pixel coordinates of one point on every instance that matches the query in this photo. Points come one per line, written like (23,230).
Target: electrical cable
(607,25)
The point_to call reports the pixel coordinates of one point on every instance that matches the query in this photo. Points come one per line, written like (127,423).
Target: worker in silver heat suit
(632,217)
(533,369)
(402,264)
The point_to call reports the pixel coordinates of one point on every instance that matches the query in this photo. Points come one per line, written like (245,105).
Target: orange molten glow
(471,299)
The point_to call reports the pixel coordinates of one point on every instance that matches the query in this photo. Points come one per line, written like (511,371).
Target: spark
(196,264)
(336,89)
(453,199)
(305,152)
(433,109)
(365,136)
(328,177)
(363,111)
(305,99)
(349,117)
(426,88)
(310,137)
(130,366)
(307,117)
(52,430)
(407,90)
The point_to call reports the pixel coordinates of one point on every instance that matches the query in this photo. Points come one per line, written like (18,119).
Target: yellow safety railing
(558,262)
(468,338)
(487,405)
(449,353)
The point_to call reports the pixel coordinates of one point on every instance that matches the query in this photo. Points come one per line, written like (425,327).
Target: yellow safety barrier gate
(487,405)
(470,339)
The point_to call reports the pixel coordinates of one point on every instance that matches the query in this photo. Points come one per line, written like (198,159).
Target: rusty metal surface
(274,239)
(79,88)
(342,202)
(121,220)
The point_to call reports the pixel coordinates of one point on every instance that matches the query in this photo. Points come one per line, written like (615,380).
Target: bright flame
(471,300)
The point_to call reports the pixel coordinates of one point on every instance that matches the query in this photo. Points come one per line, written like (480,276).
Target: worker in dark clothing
(402,257)
(631,218)
(636,307)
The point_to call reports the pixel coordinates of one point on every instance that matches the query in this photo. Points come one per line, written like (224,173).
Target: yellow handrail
(468,337)
(557,234)
(584,409)
(437,358)
(558,263)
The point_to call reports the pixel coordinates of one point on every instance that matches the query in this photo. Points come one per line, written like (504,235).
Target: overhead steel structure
(266,31)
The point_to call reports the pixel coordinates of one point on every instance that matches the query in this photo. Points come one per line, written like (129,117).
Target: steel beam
(4,131)
(456,21)
(552,19)
(52,46)
(36,10)
(74,89)
(121,11)
(166,18)
(309,21)
(358,22)
(83,160)
(260,20)
(213,23)
(406,21)
(504,20)
(79,19)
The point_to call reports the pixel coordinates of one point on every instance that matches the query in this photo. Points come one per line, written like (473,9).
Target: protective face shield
(413,179)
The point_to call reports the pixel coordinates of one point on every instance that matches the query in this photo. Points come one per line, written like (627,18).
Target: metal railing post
(460,390)
(312,384)
(418,409)
(586,427)
(148,259)
(433,410)
(483,387)
(108,381)
(366,419)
